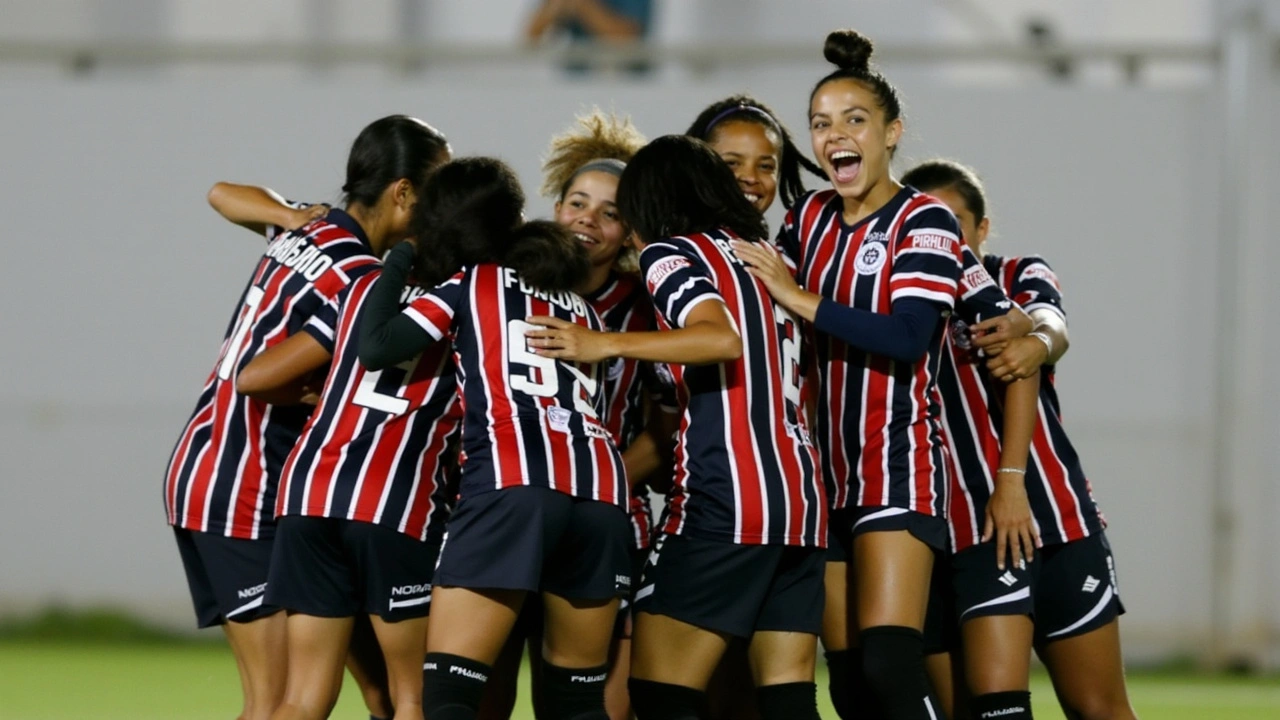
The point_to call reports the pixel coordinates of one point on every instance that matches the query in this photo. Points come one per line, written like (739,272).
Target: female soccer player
(543,491)
(756,146)
(581,173)
(879,264)
(740,555)
(222,477)
(751,140)
(362,504)
(1070,590)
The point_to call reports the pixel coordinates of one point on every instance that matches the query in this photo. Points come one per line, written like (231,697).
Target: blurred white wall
(123,280)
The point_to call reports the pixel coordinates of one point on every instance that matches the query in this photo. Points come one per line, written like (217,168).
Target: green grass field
(195,681)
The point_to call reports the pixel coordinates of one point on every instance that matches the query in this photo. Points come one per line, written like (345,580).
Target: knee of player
(890,655)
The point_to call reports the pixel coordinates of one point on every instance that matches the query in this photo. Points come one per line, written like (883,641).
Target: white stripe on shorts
(887,512)
(1095,612)
(257,602)
(1014,596)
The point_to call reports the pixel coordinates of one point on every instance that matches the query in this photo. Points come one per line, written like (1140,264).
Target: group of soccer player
(433,427)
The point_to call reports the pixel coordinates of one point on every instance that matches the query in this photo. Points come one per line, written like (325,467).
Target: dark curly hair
(471,211)
(677,185)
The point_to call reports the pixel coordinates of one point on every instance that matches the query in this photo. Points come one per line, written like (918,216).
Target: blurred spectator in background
(610,21)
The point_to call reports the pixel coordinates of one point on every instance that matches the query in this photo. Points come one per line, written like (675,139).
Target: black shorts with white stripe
(1069,589)
(227,576)
(332,567)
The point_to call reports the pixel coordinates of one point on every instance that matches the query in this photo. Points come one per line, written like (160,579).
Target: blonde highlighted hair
(595,136)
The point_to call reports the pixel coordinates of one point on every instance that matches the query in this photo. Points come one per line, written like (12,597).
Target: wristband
(1044,338)
(1011,470)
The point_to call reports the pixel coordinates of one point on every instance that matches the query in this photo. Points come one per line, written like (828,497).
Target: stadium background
(1134,148)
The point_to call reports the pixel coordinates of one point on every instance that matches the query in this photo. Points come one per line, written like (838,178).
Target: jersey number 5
(547,385)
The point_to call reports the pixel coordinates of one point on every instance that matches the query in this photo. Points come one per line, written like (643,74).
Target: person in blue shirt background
(613,21)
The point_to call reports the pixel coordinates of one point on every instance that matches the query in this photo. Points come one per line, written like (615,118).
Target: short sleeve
(324,323)
(980,297)
(274,231)
(434,311)
(927,261)
(678,281)
(1035,286)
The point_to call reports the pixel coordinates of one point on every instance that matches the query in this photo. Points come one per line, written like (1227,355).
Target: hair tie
(612,166)
(741,108)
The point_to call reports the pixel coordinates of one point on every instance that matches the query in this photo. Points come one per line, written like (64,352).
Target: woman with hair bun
(878,266)
(543,493)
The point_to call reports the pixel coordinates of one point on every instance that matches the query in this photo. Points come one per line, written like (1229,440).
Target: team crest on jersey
(871,257)
(960,335)
(559,418)
(663,371)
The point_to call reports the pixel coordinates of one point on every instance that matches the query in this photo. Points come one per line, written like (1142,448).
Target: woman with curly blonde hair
(581,172)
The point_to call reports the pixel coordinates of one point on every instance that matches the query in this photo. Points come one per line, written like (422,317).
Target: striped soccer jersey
(223,474)
(623,306)
(527,419)
(879,434)
(381,445)
(745,468)
(1061,499)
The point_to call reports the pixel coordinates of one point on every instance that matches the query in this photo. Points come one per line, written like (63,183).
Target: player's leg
(312,579)
(694,596)
(586,575)
(396,578)
(731,693)
(1078,629)
(892,568)
(317,651)
(847,686)
(942,639)
(784,647)
(231,589)
(502,690)
(367,667)
(492,558)
(617,700)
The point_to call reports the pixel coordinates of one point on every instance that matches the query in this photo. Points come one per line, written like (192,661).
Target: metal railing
(84,56)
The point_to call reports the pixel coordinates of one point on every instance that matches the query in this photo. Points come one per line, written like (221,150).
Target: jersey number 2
(375,394)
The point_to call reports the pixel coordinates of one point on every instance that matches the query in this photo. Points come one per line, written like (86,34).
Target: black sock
(663,701)
(452,686)
(851,697)
(893,663)
(788,701)
(569,694)
(1010,705)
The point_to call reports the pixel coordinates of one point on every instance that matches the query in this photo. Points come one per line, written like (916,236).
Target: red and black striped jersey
(224,471)
(745,470)
(1061,499)
(381,445)
(623,306)
(879,434)
(527,419)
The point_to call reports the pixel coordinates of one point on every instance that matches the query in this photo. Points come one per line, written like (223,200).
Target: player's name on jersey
(297,253)
(564,300)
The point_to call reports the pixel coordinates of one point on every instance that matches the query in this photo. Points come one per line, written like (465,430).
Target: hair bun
(848,50)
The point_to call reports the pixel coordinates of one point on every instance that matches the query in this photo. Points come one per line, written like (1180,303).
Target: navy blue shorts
(847,523)
(227,576)
(332,567)
(538,540)
(1069,589)
(734,589)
